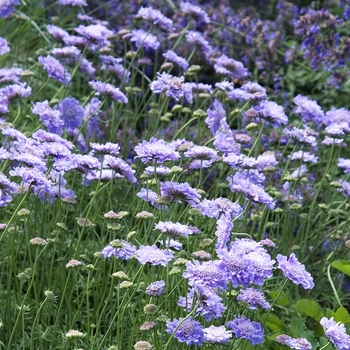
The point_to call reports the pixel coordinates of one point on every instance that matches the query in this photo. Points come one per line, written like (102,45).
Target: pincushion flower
(155,289)
(336,332)
(4,48)
(156,17)
(144,39)
(180,192)
(153,255)
(293,270)
(173,229)
(215,334)
(189,331)
(106,89)
(254,298)
(173,86)
(174,58)
(156,150)
(55,69)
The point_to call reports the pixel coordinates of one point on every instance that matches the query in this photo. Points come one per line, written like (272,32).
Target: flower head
(336,332)
(106,89)
(174,58)
(153,255)
(144,39)
(156,17)
(155,289)
(55,69)
(254,298)
(173,229)
(71,112)
(181,192)
(216,335)
(293,270)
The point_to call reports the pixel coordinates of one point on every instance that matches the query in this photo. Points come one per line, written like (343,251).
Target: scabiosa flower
(55,69)
(309,110)
(153,255)
(244,328)
(72,2)
(216,119)
(293,270)
(269,111)
(49,117)
(106,89)
(10,75)
(223,231)
(4,48)
(181,192)
(189,331)
(344,164)
(156,17)
(96,34)
(113,65)
(144,39)
(57,32)
(209,273)
(196,11)
(336,332)
(159,170)
(156,150)
(331,141)
(240,161)
(197,39)
(254,298)
(4,103)
(155,289)
(7,190)
(16,90)
(174,58)
(202,153)
(148,196)
(230,67)
(215,207)
(174,87)
(225,86)
(108,148)
(294,343)
(7,6)
(173,229)
(71,112)
(306,157)
(305,136)
(217,335)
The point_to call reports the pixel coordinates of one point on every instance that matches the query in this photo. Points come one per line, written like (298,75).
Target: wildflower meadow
(174,174)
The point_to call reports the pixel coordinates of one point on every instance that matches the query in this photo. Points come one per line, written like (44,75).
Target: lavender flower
(305,136)
(106,89)
(159,170)
(225,86)
(293,270)
(120,249)
(71,112)
(156,17)
(174,58)
(155,289)
(153,255)
(244,328)
(195,10)
(4,103)
(148,196)
(186,331)
(55,69)
(309,110)
(173,229)
(4,48)
(202,153)
(197,39)
(113,65)
(174,87)
(144,39)
(336,332)
(254,298)
(180,192)
(217,335)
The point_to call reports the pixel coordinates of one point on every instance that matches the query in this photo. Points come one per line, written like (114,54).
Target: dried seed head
(125,285)
(150,309)
(74,334)
(73,263)
(84,222)
(23,212)
(38,241)
(120,275)
(144,215)
(142,345)
(147,325)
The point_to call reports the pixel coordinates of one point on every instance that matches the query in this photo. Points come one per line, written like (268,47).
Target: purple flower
(153,255)
(304,136)
(309,110)
(156,17)
(72,2)
(202,153)
(96,34)
(144,39)
(230,67)
(55,69)
(181,192)
(269,111)
(10,75)
(209,273)
(244,328)
(159,170)
(173,229)
(336,332)
(92,117)
(344,164)
(186,331)
(51,118)
(148,196)
(67,53)
(108,148)
(7,190)
(215,207)
(223,231)
(216,119)
(155,289)
(106,89)
(4,103)
(15,91)
(293,270)
(7,6)
(121,249)
(73,40)
(217,335)
(197,39)
(225,86)
(240,161)
(57,32)
(156,150)
(71,112)
(294,343)
(195,10)
(174,87)
(174,58)
(113,65)
(254,298)
(4,48)
(304,156)
(121,167)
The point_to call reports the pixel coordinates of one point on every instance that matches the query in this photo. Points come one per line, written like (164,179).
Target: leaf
(283,299)
(342,265)
(274,323)
(341,315)
(309,308)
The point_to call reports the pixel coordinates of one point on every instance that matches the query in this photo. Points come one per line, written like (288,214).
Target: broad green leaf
(309,308)
(282,300)
(342,265)
(274,323)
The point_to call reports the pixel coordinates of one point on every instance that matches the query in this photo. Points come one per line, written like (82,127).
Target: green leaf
(283,299)
(274,323)
(342,265)
(309,308)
